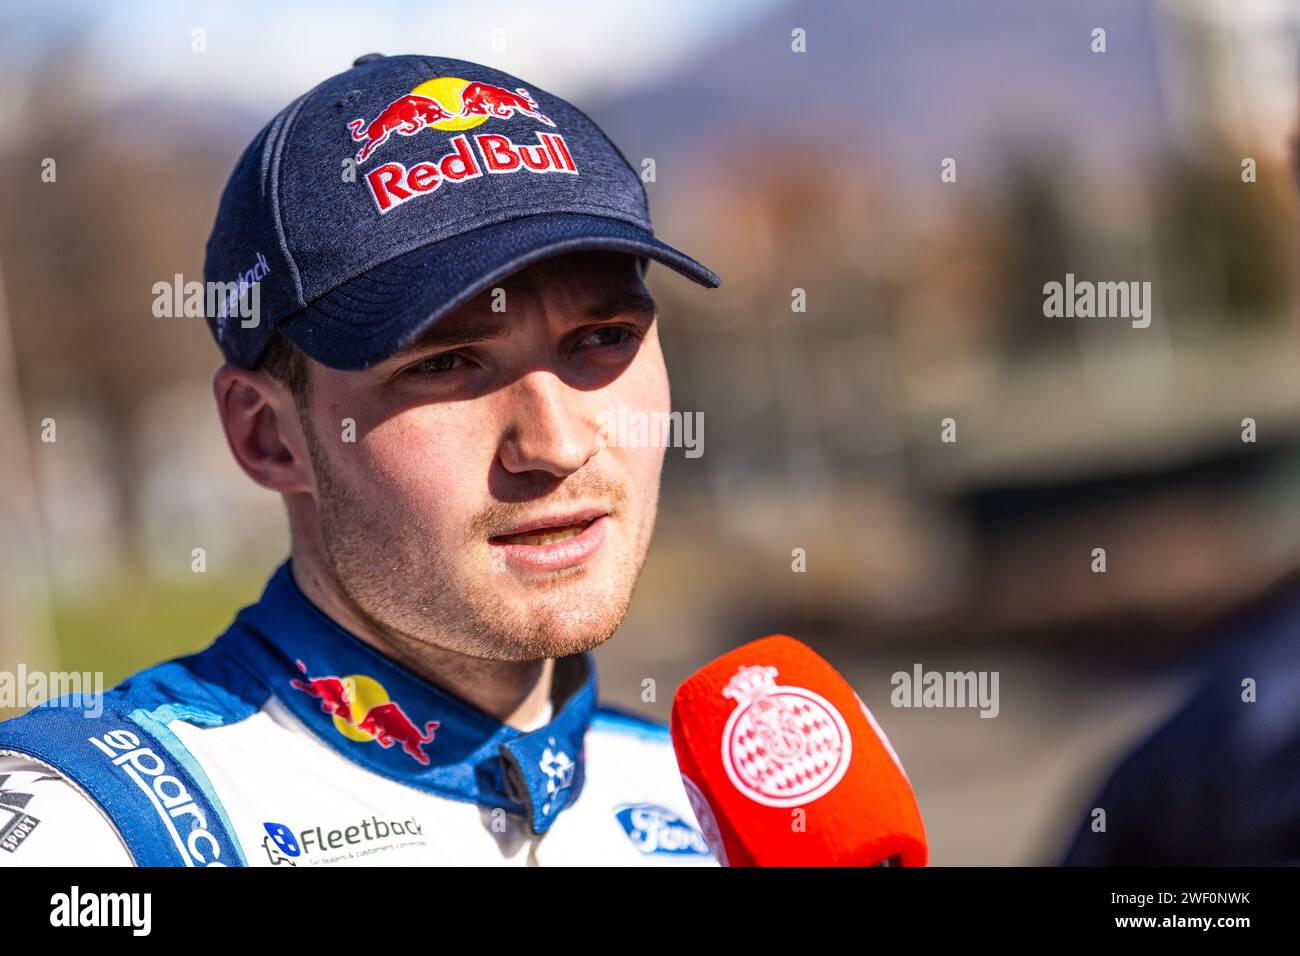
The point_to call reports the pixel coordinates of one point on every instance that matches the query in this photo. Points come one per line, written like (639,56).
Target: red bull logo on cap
(455,105)
(446,103)
(362,711)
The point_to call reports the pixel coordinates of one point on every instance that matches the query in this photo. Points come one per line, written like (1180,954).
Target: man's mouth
(544,535)
(553,542)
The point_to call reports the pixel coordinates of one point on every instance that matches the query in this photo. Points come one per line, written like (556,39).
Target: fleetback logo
(314,845)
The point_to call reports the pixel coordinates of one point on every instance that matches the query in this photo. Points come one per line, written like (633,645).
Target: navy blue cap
(389,195)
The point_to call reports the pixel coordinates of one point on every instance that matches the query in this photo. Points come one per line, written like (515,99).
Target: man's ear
(262,428)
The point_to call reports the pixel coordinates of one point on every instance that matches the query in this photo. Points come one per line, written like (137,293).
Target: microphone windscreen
(785,766)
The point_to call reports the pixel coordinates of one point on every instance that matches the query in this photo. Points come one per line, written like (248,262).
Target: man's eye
(436,364)
(610,335)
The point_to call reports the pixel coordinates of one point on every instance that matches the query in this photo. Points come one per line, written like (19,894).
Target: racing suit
(290,742)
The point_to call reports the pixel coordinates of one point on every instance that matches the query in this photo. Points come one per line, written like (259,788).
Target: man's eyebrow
(450,334)
(613,305)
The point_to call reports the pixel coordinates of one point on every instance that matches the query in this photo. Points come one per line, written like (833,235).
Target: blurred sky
(582,44)
(669,70)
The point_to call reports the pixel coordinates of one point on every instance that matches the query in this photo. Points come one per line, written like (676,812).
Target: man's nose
(551,427)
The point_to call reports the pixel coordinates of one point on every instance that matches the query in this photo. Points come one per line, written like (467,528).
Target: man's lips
(566,524)
(554,542)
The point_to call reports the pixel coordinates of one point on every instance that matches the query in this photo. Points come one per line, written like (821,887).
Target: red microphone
(785,766)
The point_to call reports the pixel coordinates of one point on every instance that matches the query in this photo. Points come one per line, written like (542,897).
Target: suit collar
(380,715)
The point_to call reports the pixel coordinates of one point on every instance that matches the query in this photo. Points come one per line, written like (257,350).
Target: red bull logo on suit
(362,712)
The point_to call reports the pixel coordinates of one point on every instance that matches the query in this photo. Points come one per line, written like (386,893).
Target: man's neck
(513,692)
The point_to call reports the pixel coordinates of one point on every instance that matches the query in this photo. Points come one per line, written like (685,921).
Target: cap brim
(369,318)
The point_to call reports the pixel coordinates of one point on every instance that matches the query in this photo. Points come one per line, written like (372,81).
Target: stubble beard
(421,596)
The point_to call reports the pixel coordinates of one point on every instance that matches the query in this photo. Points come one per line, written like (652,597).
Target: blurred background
(818,171)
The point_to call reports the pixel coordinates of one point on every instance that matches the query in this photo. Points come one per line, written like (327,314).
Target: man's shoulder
(100,765)
(632,754)
(208,688)
(616,721)
(1215,783)
(45,820)
(115,761)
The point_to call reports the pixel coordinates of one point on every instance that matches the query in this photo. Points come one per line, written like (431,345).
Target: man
(444,270)
(1218,782)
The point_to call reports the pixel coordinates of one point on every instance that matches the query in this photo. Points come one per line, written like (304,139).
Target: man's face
(477,508)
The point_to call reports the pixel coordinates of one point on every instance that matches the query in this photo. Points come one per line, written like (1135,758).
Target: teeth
(548,538)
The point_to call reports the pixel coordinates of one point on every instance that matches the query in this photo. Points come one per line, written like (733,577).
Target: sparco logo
(171,800)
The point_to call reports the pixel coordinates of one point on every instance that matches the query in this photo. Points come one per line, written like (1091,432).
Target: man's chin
(567,621)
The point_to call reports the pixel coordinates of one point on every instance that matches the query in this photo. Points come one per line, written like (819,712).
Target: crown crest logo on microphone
(782,746)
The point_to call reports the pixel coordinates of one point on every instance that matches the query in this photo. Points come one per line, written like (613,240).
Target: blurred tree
(132,203)
(1220,242)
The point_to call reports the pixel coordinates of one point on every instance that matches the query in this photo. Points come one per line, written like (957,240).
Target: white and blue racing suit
(290,742)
